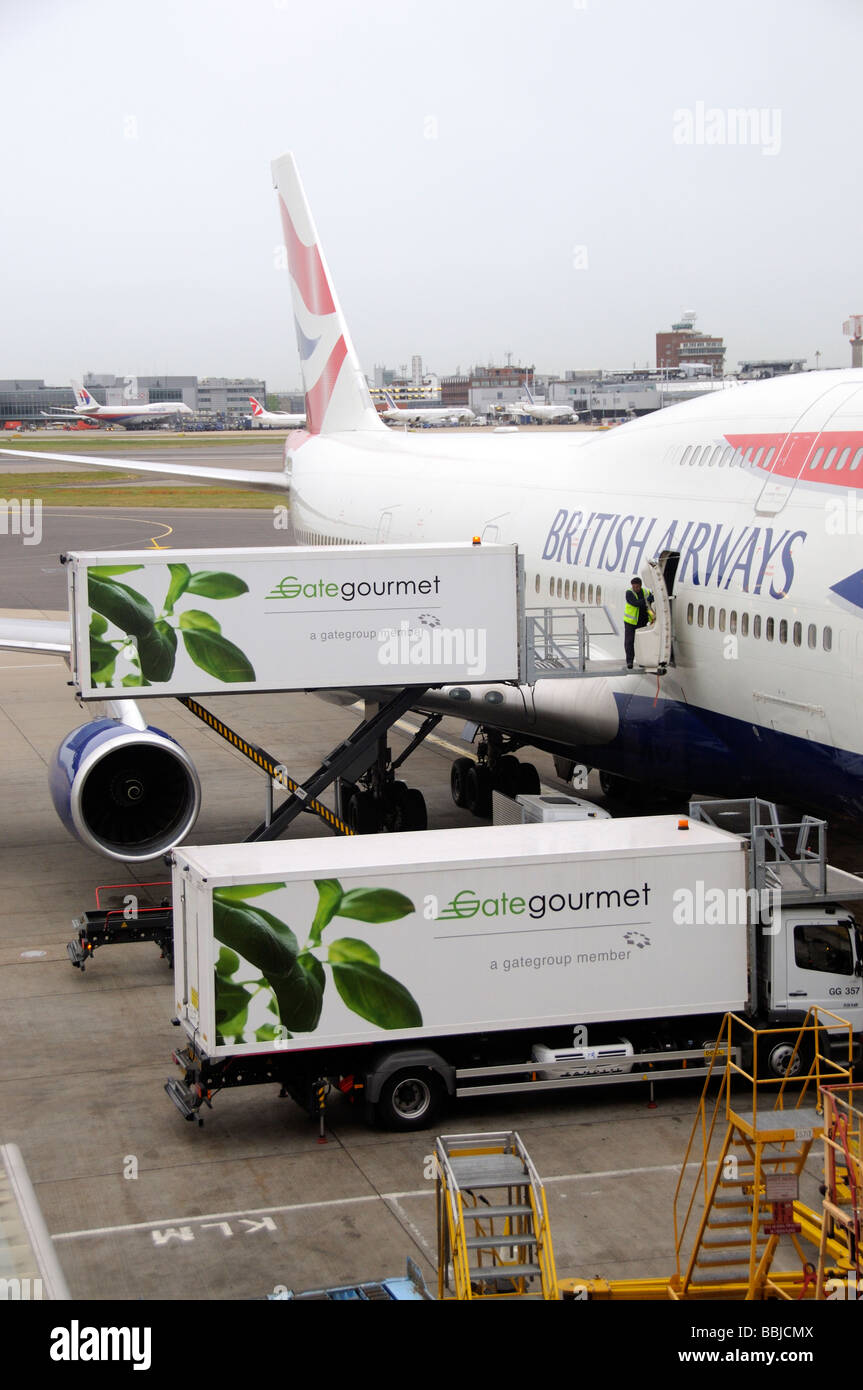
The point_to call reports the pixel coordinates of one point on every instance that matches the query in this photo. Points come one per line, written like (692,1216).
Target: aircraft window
(732,621)
(843,457)
(560,588)
(769,455)
(828,462)
(582,593)
(551,588)
(722,620)
(566,589)
(783,630)
(768,629)
(812,636)
(824,946)
(816,459)
(727,456)
(827,639)
(696,454)
(747,459)
(686,452)
(537,584)
(855,462)
(737,461)
(757,459)
(701,615)
(599,593)
(756,625)
(690,613)
(590,594)
(714,457)
(798,634)
(744,624)
(711,617)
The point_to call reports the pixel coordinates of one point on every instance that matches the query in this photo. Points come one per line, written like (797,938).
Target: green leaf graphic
(98,625)
(134,680)
(269,1032)
(158,651)
(376,996)
(217,584)
(259,937)
(299,995)
(232,1010)
(228,963)
(374,905)
(240,891)
(125,607)
(329,897)
(348,949)
(102,654)
(180,576)
(105,571)
(196,620)
(218,657)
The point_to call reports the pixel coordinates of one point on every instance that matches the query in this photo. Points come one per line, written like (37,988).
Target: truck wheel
(780,1055)
(410,1099)
(458,780)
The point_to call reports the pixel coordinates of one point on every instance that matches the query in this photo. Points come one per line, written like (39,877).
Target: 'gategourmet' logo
(291,587)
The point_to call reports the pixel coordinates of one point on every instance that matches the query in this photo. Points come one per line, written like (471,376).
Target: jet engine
(128,792)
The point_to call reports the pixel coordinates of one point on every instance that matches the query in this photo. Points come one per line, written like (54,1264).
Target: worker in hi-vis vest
(637,613)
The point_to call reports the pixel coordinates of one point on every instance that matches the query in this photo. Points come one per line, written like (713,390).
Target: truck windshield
(824,946)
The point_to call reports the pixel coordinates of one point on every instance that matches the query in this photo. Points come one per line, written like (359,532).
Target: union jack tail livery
(337,396)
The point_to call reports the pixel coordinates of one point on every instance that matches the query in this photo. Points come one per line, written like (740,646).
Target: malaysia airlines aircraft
(87,408)
(278,419)
(422,415)
(539,411)
(752,494)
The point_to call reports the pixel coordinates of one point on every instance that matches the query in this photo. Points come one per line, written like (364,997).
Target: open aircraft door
(653,644)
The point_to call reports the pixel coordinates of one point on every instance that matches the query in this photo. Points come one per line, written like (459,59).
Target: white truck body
(511,927)
(155,623)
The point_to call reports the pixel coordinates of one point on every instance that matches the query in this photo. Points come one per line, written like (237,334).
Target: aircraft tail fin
(257,408)
(83,399)
(391,405)
(337,395)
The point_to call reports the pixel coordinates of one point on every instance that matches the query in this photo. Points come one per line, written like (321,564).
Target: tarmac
(141,1205)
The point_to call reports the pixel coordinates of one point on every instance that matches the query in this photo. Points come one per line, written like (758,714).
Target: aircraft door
(653,644)
(788,464)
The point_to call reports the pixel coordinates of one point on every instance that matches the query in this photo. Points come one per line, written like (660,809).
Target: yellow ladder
(755,1139)
(493,1234)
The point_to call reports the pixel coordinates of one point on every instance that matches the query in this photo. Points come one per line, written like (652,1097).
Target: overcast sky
(556,180)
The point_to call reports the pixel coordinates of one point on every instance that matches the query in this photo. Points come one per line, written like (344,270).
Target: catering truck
(408,968)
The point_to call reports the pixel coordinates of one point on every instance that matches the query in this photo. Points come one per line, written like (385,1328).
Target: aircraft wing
(252,479)
(35,635)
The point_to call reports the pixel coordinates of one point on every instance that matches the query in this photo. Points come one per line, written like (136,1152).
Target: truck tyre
(458,780)
(781,1053)
(410,1099)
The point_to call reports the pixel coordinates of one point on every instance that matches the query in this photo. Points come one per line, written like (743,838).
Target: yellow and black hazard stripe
(265,763)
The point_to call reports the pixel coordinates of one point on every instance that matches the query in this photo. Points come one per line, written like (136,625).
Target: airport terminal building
(217,398)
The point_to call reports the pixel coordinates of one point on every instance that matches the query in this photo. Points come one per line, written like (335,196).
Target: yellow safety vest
(631,611)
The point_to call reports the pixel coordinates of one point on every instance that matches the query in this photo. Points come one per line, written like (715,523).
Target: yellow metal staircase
(494,1240)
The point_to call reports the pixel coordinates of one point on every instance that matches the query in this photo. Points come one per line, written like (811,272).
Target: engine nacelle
(128,793)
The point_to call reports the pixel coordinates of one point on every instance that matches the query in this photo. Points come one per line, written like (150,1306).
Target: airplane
(539,411)
(278,419)
(748,497)
(424,415)
(86,407)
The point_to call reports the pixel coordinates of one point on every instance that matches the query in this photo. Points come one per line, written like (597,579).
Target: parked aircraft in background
(749,496)
(538,410)
(276,419)
(88,408)
(425,414)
